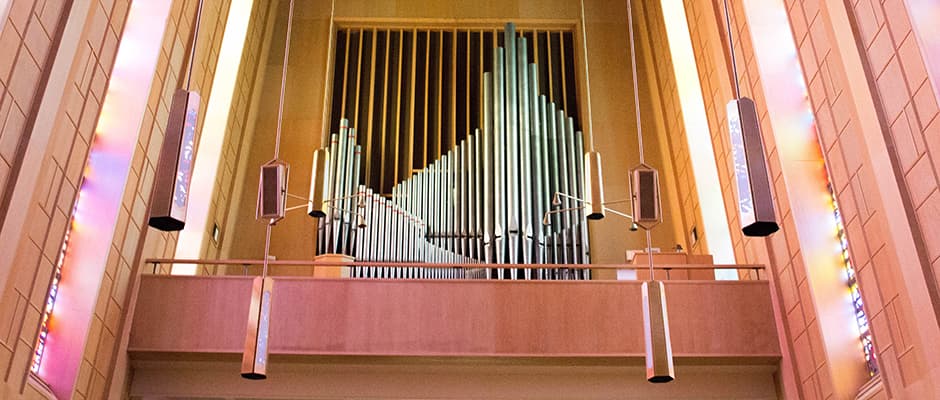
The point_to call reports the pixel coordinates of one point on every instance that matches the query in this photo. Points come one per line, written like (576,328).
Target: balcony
(430,326)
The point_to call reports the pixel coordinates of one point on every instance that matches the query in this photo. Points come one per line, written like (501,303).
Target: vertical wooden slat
(535,49)
(411,114)
(398,174)
(557,64)
(485,51)
(453,91)
(467,88)
(368,139)
(551,89)
(395,101)
(480,70)
(329,82)
(440,86)
(342,111)
(355,119)
(561,64)
(572,83)
(384,163)
(542,63)
(427,59)
(421,83)
(365,94)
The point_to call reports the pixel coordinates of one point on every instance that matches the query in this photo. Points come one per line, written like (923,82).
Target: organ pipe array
(481,202)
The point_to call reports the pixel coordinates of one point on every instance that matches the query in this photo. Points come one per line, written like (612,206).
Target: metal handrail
(661,267)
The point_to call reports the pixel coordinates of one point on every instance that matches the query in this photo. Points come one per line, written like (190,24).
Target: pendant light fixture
(755,196)
(272,206)
(647,213)
(593,176)
(175,167)
(319,181)
(659,364)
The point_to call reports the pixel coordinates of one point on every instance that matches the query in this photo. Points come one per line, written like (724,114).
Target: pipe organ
(483,200)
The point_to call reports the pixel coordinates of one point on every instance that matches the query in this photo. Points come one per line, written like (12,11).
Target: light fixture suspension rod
(192,46)
(587,80)
(561,210)
(280,105)
(358,194)
(649,252)
(627,200)
(636,87)
(340,210)
(639,125)
(267,249)
(294,196)
(277,140)
(612,211)
(297,207)
(560,194)
(567,196)
(734,64)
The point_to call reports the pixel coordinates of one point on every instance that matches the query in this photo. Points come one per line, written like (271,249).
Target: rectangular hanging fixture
(272,191)
(755,197)
(647,208)
(255,356)
(175,167)
(659,363)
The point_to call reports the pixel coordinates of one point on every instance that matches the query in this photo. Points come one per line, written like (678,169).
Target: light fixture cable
(734,64)
(636,87)
(325,137)
(280,117)
(587,80)
(639,124)
(280,105)
(192,49)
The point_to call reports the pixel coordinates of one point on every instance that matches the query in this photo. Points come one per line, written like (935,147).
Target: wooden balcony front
(480,321)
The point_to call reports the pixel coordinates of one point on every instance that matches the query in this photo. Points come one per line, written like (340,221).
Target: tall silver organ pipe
(481,202)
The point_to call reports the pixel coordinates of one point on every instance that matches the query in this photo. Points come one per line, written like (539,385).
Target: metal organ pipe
(512,153)
(537,194)
(499,149)
(525,173)
(489,215)
(482,201)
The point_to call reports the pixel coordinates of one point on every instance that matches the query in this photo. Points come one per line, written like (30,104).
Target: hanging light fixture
(647,213)
(175,166)
(255,356)
(659,365)
(755,196)
(593,176)
(272,206)
(594,191)
(319,181)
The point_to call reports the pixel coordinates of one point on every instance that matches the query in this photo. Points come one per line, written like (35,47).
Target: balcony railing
(402,270)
